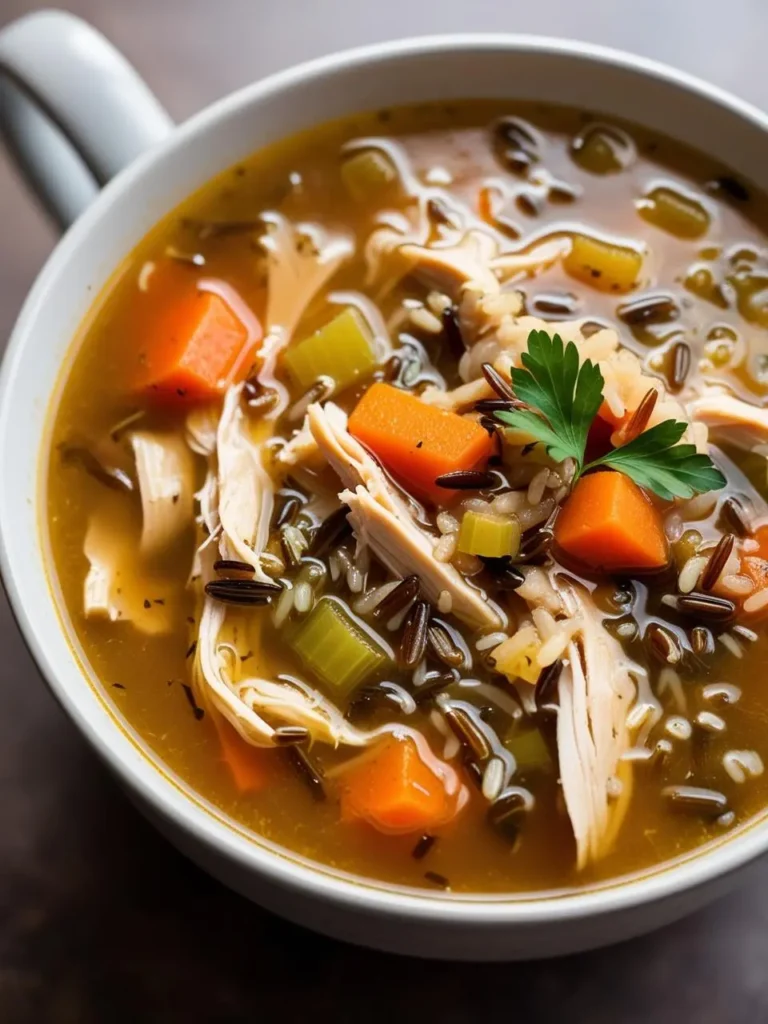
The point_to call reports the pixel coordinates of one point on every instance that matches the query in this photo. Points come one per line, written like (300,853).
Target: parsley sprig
(564,396)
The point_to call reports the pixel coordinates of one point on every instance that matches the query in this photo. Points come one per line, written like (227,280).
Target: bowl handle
(73,111)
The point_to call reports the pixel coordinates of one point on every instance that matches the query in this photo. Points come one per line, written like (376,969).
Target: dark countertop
(102,921)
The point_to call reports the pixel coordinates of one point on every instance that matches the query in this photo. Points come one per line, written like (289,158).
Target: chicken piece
(301,449)
(596,693)
(165,471)
(245,700)
(721,411)
(381,518)
(449,267)
(116,587)
(245,490)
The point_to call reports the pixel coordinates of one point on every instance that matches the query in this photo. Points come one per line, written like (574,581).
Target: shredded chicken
(245,489)
(722,411)
(117,587)
(596,692)
(165,472)
(382,520)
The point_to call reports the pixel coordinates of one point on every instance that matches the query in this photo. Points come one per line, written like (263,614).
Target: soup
(407,497)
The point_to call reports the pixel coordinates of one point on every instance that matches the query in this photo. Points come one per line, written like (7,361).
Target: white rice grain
(302,598)
(756,602)
(355,579)
(284,605)
(425,321)
(737,584)
(537,486)
(710,721)
(690,573)
(372,598)
(679,728)
(445,548)
(670,681)
(145,273)
(490,640)
(447,523)
(699,507)
(728,693)
(731,644)
(437,302)
(470,565)
(451,745)
(674,527)
(445,602)
(506,504)
(743,764)
(493,779)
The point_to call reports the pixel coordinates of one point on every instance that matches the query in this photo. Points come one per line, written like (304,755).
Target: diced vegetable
(368,174)
(198,348)
(491,536)
(686,547)
(604,265)
(247,764)
(675,212)
(516,657)
(528,748)
(338,650)
(701,281)
(418,442)
(600,150)
(394,790)
(342,350)
(610,524)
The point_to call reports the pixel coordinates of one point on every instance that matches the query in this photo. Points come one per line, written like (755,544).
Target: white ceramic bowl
(111,117)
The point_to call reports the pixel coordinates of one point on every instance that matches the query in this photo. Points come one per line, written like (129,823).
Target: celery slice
(367,175)
(342,350)
(528,748)
(335,648)
(489,535)
(604,265)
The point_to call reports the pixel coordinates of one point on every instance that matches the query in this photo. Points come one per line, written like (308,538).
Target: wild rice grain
(423,846)
(681,365)
(442,646)
(414,641)
(735,515)
(502,388)
(716,561)
(702,641)
(466,480)
(696,799)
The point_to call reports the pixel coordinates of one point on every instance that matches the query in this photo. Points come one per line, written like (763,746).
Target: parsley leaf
(565,392)
(656,461)
(564,396)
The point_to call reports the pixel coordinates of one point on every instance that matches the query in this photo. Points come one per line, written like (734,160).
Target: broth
(711,288)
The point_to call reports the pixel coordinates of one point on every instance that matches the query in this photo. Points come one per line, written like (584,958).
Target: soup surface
(347,579)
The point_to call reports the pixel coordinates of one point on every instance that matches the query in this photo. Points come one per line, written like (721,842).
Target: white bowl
(111,116)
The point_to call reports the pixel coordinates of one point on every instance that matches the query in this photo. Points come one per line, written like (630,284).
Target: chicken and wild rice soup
(407,496)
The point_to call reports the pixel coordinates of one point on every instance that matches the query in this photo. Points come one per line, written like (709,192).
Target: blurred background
(100,920)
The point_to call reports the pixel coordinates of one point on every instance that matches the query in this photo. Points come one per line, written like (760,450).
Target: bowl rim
(111,741)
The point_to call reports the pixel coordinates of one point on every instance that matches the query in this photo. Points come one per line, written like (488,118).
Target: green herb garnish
(565,394)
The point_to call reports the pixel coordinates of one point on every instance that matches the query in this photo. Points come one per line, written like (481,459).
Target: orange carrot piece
(417,442)
(198,348)
(247,764)
(609,523)
(394,790)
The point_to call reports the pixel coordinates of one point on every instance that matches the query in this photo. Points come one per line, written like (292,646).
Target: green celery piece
(489,535)
(367,175)
(528,748)
(335,648)
(342,350)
